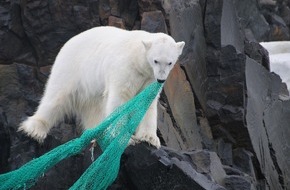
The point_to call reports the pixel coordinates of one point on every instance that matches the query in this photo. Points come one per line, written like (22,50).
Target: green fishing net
(112,135)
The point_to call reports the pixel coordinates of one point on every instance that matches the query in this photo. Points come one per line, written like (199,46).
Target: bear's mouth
(160,81)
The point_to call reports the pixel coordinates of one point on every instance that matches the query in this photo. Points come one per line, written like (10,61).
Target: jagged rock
(252,19)
(183,108)
(208,163)
(285,14)
(227,110)
(149,5)
(169,133)
(43,21)
(5,143)
(267,120)
(126,9)
(232,171)
(148,168)
(243,160)
(255,51)
(278,27)
(104,11)
(205,132)
(237,183)
(212,23)
(186,24)
(222,92)
(230,22)
(117,22)
(12,34)
(153,22)
(226,86)
(224,151)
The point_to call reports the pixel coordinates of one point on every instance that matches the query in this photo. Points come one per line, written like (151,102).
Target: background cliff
(221,115)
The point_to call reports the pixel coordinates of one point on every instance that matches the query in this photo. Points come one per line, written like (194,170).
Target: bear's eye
(170,63)
(155,61)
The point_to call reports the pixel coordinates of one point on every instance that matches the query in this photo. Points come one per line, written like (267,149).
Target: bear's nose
(160,81)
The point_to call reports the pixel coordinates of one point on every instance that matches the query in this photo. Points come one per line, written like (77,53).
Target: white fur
(97,71)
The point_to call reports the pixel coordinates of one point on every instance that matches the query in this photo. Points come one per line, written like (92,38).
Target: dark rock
(208,163)
(221,97)
(104,11)
(149,5)
(148,168)
(278,27)
(186,24)
(243,161)
(12,34)
(45,71)
(129,12)
(220,132)
(278,18)
(267,120)
(228,80)
(115,8)
(126,9)
(206,133)
(285,14)
(48,25)
(231,33)
(212,23)
(201,160)
(252,19)
(227,102)
(224,151)
(237,183)
(169,132)
(232,171)
(284,93)
(153,22)
(255,51)
(5,143)
(117,22)
(225,71)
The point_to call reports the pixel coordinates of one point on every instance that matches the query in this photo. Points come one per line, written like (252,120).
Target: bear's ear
(147,44)
(180,46)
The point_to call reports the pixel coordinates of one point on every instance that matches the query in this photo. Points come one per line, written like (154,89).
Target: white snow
(279,54)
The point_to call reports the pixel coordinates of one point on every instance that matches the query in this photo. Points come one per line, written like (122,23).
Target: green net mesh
(112,135)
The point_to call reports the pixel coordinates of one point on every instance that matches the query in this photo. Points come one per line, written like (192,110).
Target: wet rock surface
(221,120)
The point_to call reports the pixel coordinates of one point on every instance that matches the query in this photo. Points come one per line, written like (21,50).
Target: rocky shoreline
(222,121)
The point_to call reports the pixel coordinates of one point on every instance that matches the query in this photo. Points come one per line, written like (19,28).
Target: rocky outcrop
(222,122)
(148,168)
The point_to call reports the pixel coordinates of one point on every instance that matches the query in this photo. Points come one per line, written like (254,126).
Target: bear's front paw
(151,139)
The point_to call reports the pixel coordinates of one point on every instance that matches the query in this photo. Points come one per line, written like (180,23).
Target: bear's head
(162,53)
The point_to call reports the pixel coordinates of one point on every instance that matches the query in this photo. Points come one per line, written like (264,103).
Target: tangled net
(112,135)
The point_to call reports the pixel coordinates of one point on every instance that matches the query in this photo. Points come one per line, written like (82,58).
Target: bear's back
(110,36)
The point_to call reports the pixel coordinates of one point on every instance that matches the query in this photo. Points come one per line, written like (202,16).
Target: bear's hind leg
(91,113)
(49,112)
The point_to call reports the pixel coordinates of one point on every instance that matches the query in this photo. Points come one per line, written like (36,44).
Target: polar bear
(97,71)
